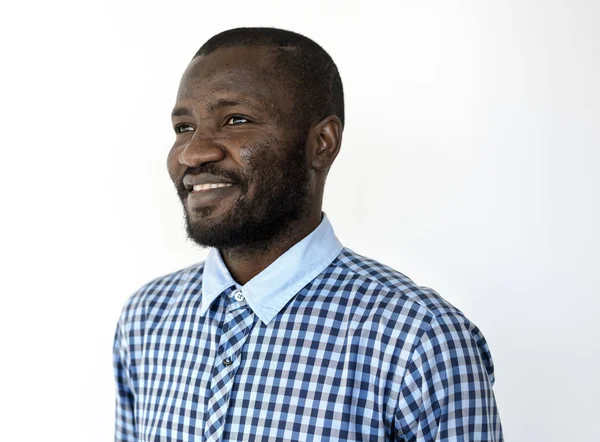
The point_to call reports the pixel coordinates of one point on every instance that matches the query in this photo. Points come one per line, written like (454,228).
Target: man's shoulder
(430,313)
(158,294)
(393,281)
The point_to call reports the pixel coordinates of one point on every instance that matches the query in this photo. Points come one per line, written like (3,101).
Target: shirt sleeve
(125,397)
(446,393)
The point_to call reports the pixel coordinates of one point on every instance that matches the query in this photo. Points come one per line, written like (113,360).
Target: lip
(202,198)
(189,181)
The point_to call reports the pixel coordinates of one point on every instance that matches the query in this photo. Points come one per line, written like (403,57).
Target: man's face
(238,147)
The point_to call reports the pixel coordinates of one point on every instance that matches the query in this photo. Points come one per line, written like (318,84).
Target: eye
(180,128)
(236,119)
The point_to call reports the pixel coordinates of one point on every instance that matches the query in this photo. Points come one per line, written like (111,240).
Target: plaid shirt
(324,344)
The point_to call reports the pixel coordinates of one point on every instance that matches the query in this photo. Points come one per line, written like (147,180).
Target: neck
(245,262)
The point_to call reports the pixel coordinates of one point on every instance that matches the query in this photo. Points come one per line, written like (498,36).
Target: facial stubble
(280,196)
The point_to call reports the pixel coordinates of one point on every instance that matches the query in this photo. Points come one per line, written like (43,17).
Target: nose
(200,149)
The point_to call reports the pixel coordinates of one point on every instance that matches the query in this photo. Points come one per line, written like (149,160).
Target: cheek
(264,166)
(253,161)
(247,154)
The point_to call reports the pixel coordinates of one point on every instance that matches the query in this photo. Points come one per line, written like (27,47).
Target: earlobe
(327,138)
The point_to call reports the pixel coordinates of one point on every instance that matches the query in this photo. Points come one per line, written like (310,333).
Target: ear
(324,141)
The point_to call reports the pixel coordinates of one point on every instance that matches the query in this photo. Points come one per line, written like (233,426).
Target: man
(282,333)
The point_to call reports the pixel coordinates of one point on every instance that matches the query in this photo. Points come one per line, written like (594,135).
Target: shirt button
(238,295)
(227,361)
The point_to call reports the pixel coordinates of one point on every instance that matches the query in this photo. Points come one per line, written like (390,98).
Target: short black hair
(303,65)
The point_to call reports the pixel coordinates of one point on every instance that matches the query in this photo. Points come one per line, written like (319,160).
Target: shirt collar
(269,291)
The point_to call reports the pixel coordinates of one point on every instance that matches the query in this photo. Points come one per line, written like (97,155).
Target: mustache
(213,169)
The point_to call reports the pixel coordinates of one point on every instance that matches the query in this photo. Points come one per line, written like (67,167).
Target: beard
(281,195)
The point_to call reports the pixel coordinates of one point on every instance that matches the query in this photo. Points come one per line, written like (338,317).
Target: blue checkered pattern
(358,353)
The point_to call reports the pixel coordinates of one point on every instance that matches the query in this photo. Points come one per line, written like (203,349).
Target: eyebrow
(180,112)
(220,104)
(223,102)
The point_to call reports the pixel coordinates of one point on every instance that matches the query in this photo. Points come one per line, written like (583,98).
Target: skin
(249,135)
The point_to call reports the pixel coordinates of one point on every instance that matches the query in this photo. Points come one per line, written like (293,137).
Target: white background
(470,163)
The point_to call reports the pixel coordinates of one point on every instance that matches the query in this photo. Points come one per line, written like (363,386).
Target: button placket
(238,323)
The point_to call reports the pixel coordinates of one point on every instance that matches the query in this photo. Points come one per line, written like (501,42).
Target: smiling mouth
(208,194)
(209,186)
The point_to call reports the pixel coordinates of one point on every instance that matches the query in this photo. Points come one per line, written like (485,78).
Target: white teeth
(210,186)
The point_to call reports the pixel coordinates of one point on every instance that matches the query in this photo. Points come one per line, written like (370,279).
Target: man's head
(259,113)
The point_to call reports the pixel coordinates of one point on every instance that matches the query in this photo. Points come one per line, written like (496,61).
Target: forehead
(242,72)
